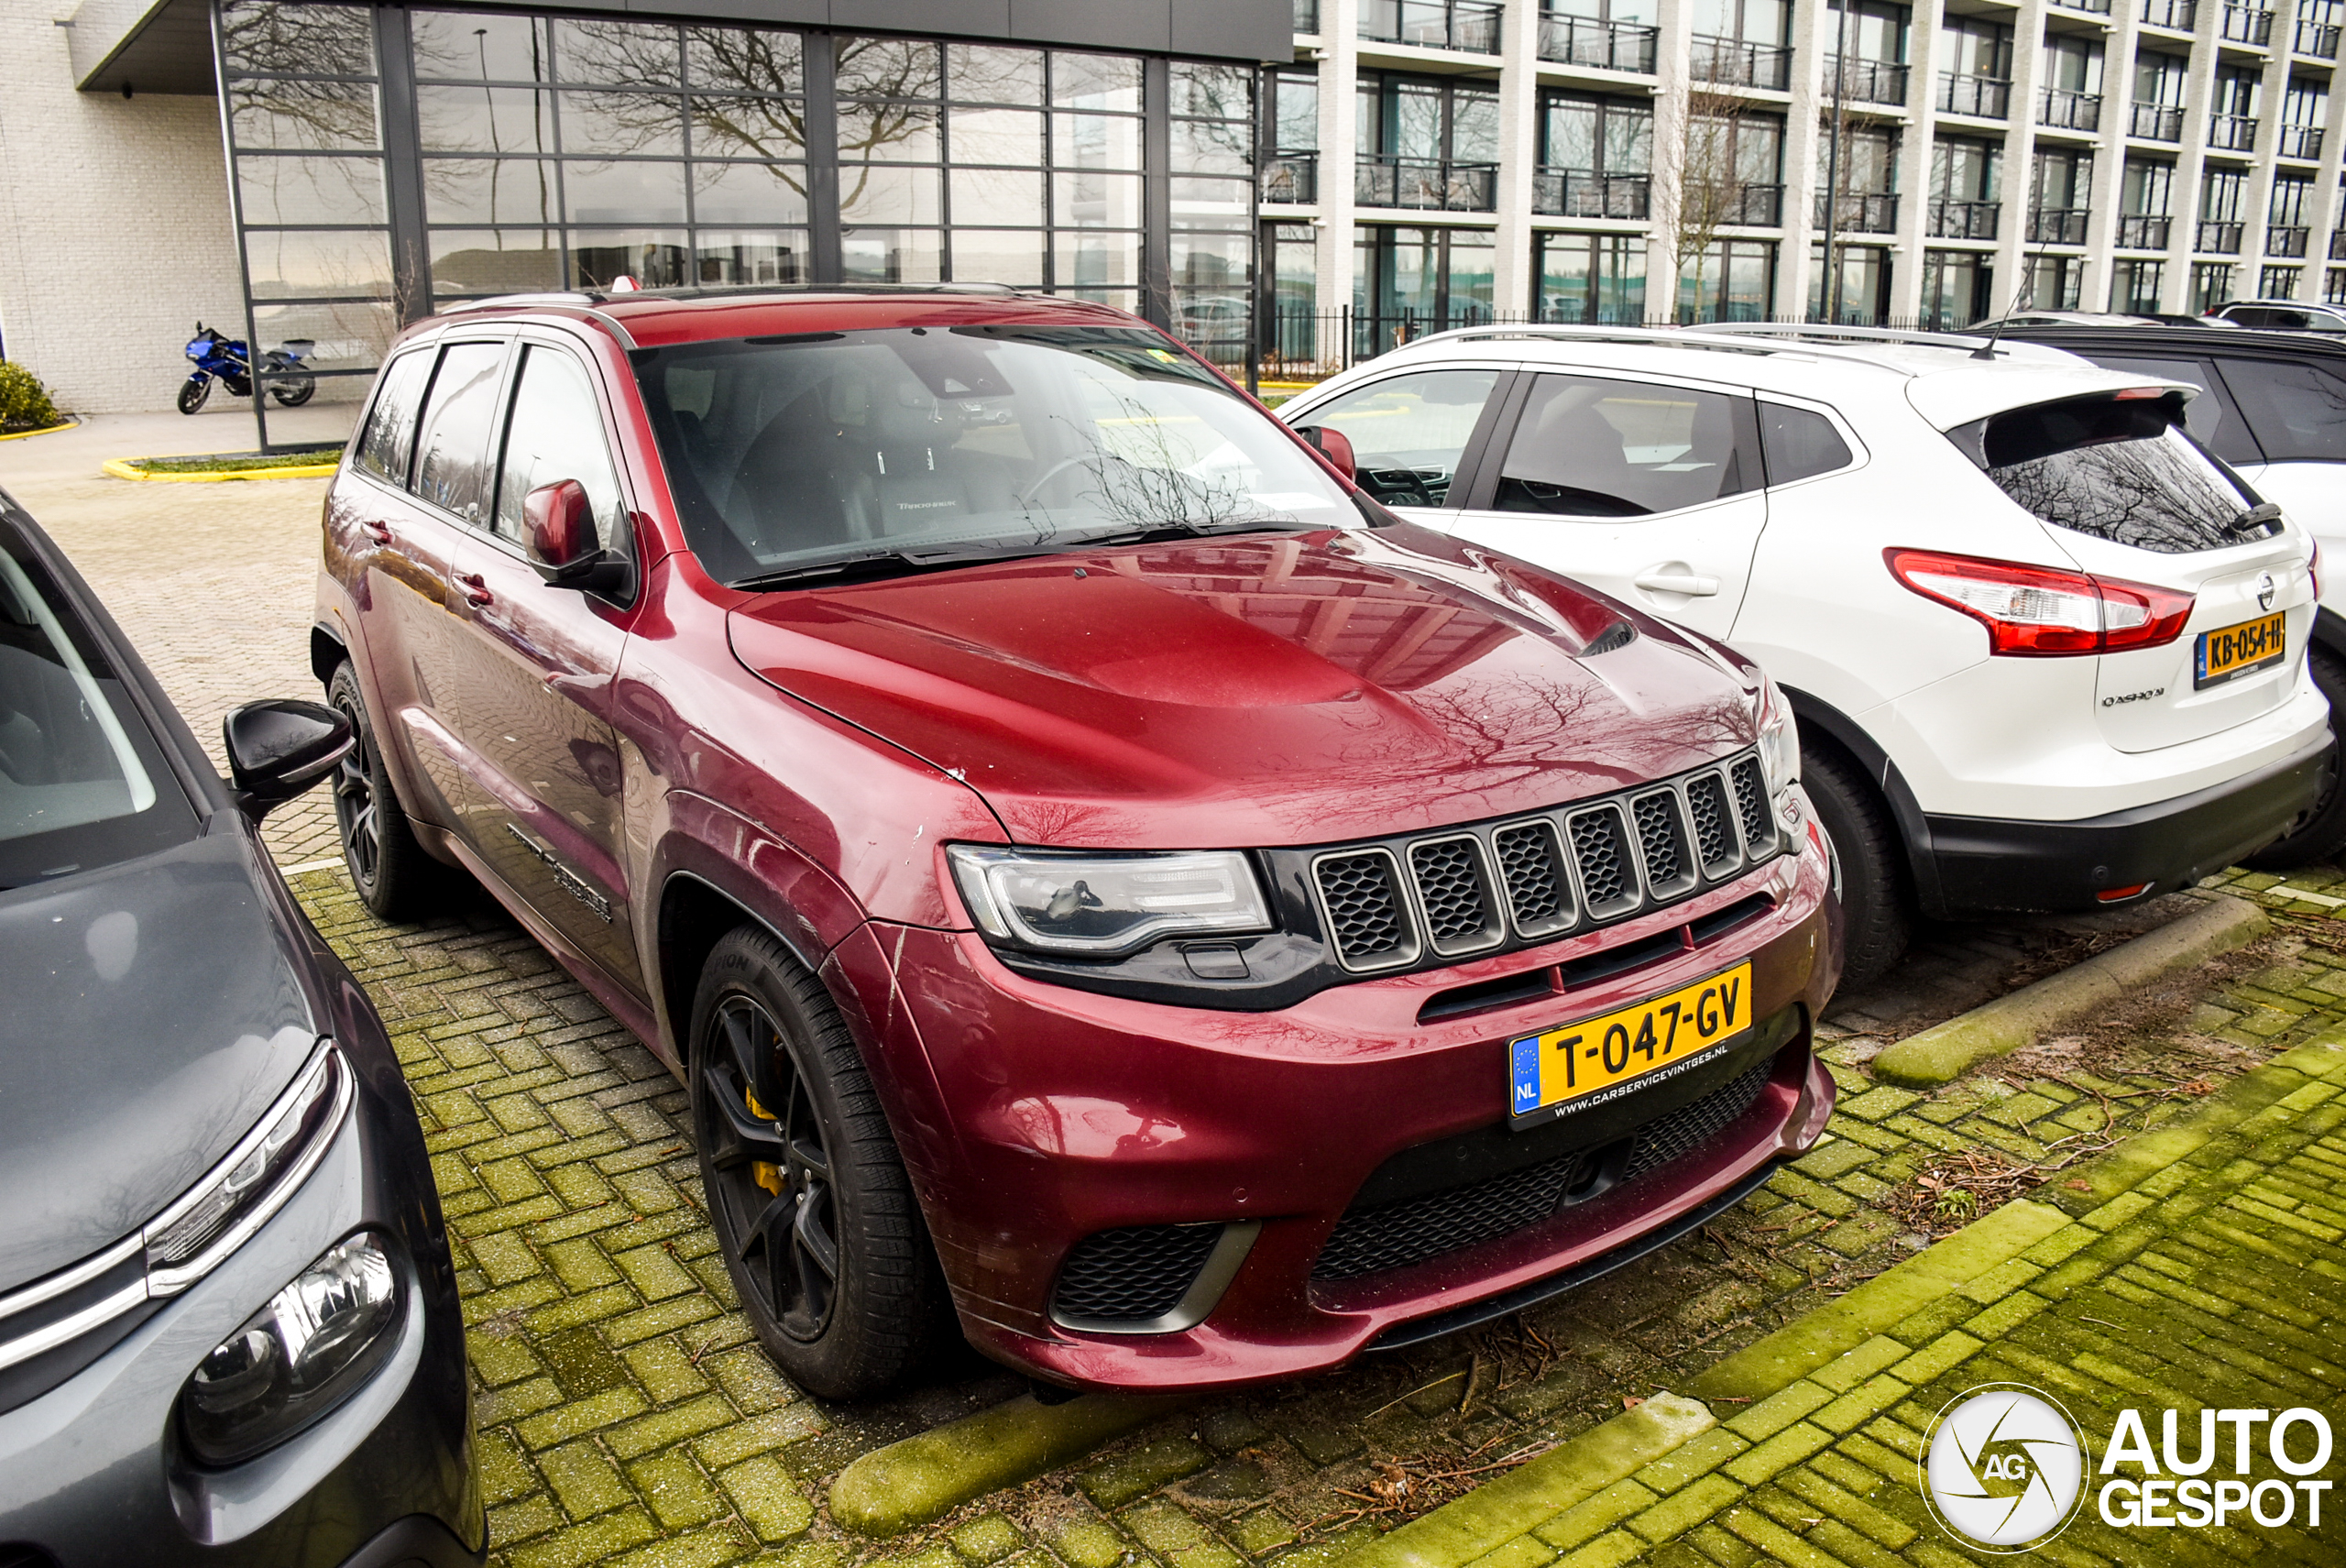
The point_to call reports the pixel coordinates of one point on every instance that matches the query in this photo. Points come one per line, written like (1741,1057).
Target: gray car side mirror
(279,747)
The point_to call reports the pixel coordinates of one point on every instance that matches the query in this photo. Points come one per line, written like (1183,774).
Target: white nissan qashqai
(2044,652)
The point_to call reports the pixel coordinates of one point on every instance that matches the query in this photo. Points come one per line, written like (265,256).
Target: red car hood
(1258,690)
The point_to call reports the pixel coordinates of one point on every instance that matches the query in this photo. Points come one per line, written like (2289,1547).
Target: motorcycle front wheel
(193,392)
(293,394)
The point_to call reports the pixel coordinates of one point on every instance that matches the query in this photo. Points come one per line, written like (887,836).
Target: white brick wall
(114,234)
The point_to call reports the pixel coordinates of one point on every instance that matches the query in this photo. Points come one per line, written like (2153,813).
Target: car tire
(2323,832)
(1869,869)
(394,876)
(815,1216)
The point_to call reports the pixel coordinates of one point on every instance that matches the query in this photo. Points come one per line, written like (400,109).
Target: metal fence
(1964,220)
(1584,194)
(1291,178)
(1731,62)
(2158,122)
(1990,97)
(1601,45)
(2064,110)
(2142,231)
(1421,184)
(1470,26)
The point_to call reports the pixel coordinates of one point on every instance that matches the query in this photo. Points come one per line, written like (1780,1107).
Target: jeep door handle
(1654,580)
(475,589)
(380,532)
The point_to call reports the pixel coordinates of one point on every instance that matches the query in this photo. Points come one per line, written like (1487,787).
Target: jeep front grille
(1461,891)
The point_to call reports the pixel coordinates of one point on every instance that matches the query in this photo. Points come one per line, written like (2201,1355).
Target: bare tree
(1711,184)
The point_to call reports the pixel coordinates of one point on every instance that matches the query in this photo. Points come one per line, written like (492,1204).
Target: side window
(1409,432)
(452,455)
(556,433)
(2298,412)
(1587,447)
(2204,416)
(389,440)
(1800,444)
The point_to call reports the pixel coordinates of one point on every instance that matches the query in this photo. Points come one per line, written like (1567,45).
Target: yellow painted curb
(120,468)
(45,429)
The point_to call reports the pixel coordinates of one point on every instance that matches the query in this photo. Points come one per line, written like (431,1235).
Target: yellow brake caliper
(765,1173)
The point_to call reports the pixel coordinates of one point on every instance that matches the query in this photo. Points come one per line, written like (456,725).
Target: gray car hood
(153,1010)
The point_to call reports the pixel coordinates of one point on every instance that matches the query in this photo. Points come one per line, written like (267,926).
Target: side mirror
(558,525)
(281,747)
(1334,445)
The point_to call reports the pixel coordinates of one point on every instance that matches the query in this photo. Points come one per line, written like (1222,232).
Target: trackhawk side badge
(564,875)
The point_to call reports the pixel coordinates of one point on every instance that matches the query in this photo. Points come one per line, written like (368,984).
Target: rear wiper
(880,564)
(2257,516)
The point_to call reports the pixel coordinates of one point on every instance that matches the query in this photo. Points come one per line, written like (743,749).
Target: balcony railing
(1291,177)
(2157,122)
(1307,15)
(2247,25)
(1425,184)
(1861,213)
(2317,38)
(2183,16)
(2286,239)
(2232,133)
(2066,111)
(2301,141)
(1584,194)
(2098,7)
(2144,231)
(1470,27)
(1867,80)
(1755,206)
(1731,62)
(2057,226)
(1990,97)
(1964,220)
(1600,45)
(2216,239)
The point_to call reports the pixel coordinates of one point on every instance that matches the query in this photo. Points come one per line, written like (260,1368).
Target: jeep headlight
(297,1357)
(1074,902)
(1772,715)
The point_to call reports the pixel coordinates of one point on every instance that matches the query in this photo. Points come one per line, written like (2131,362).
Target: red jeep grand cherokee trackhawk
(1087,861)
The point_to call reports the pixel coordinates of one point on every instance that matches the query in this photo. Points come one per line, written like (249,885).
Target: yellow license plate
(2235,650)
(1599,1058)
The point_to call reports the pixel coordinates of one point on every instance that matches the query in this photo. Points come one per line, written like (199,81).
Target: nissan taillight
(2040,612)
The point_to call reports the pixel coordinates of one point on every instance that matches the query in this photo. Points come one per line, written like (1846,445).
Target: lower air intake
(1132,1273)
(1368,1241)
(1688,1128)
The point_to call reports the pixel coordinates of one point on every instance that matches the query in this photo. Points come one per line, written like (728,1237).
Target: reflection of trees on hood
(2143,493)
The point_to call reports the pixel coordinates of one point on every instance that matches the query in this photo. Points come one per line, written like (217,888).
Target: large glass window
(1585,447)
(1729,280)
(556,432)
(1213,208)
(1409,432)
(1598,278)
(452,455)
(1957,286)
(1426,142)
(1595,157)
(1409,281)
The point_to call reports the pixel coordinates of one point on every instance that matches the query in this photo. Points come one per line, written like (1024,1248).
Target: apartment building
(1433,162)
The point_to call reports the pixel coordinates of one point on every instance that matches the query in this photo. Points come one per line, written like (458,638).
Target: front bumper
(91,1470)
(1033,1116)
(1989,865)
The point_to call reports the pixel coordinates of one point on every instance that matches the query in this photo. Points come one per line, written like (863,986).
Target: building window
(1956,289)
(2063,186)
(2056,282)
(1728,280)
(1291,172)
(1212,208)
(2231,109)
(1743,43)
(2145,190)
(1863,297)
(2135,284)
(1733,172)
(1299,342)
(1427,144)
(1409,281)
(1865,181)
(1978,78)
(2069,96)
(2211,285)
(1595,158)
(2278,282)
(2333,286)
(1964,201)
(1868,42)
(2157,109)
(2223,194)
(1594,278)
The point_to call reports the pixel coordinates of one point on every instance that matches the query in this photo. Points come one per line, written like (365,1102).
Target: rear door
(1411,432)
(2131,500)
(544,785)
(1651,491)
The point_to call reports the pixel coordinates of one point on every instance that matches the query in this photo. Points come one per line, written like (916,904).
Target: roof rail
(1715,342)
(1825,332)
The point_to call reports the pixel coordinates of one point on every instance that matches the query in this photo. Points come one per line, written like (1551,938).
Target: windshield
(786,454)
(2116,468)
(82,782)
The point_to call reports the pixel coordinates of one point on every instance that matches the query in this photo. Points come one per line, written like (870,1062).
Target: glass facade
(1592,277)
(390,161)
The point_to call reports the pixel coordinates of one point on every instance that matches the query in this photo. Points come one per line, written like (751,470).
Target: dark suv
(1087,861)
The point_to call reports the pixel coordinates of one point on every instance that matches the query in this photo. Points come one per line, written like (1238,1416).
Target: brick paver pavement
(627,1417)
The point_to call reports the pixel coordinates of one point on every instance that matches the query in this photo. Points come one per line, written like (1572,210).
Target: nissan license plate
(1578,1065)
(2232,651)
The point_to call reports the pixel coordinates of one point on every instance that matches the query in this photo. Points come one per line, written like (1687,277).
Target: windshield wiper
(881,564)
(1159,532)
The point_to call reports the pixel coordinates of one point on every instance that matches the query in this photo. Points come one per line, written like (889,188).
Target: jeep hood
(1260,690)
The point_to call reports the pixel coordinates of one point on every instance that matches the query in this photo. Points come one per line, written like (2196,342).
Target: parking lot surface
(626,1415)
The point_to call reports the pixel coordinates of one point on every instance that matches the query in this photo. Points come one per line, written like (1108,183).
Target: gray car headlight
(1099,904)
(297,1357)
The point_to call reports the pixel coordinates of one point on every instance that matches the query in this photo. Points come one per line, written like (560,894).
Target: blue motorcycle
(227,359)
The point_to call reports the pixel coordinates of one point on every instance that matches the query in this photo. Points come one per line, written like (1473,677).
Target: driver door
(1651,492)
(1409,432)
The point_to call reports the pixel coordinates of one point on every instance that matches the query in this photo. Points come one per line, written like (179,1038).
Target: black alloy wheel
(2321,833)
(1869,873)
(394,876)
(815,1216)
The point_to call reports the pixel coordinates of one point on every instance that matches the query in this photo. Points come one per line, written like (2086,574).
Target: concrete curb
(44,430)
(920,1478)
(121,468)
(1944,1052)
